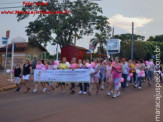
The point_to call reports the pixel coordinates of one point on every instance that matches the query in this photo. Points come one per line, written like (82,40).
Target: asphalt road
(133,105)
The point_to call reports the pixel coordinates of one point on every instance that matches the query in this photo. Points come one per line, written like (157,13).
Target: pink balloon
(141,72)
(56,63)
(142,75)
(137,65)
(92,64)
(131,74)
(12,71)
(88,65)
(146,62)
(122,80)
(151,63)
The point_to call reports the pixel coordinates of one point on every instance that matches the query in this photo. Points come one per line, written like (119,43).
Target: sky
(146,15)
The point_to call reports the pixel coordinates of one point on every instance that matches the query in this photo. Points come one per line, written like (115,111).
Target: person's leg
(136,81)
(116,83)
(134,76)
(73,87)
(36,86)
(85,87)
(90,85)
(26,86)
(125,80)
(140,82)
(81,86)
(102,83)
(97,85)
(123,83)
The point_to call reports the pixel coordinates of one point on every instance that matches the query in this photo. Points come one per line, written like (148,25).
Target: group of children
(115,74)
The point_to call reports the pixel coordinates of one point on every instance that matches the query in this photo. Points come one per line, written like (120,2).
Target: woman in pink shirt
(39,66)
(109,79)
(95,76)
(116,75)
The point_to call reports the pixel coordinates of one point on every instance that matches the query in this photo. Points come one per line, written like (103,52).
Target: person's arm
(97,70)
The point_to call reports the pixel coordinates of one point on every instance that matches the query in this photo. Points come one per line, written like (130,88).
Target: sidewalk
(5,84)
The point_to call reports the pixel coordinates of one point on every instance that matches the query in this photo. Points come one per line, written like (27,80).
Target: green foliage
(157,38)
(127,37)
(101,40)
(142,50)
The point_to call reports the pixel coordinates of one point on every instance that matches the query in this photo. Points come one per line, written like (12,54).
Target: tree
(101,40)
(84,19)
(157,38)
(127,37)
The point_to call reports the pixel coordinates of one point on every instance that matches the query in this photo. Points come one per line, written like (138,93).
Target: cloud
(125,22)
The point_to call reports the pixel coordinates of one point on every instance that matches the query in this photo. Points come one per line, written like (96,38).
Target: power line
(10,3)
(11,7)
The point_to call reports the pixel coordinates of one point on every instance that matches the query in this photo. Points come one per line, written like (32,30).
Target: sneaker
(149,84)
(34,91)
(127,84)
(89,93)
(27,90)
(84,92)
(109,93)
(80,92)
(72,92)
(135,86)
(18,89)
(118,94)
(44,90)
(139,87)
(102,87)
(114,96)
(97,92)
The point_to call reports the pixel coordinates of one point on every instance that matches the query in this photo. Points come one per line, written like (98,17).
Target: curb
(7,88)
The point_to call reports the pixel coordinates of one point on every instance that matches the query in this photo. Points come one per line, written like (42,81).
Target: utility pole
(132,41)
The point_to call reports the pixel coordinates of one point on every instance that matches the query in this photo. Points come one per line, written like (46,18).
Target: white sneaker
(118,94)
(34,91)
(80,92)
(139,87)
(135,85)
(102,87)
(109,93)
(44,90)
(114,96)
(84,92)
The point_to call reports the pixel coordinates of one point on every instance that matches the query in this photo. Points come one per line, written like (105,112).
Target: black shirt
(17,72)
(26,69)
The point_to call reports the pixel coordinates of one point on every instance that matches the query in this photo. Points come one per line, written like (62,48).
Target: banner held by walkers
(67,75)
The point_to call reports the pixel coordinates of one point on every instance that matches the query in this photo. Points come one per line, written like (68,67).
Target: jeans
(85,86)
(138,79)
(73,85)
(125,80)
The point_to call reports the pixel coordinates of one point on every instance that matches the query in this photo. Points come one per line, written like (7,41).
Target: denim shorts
(150,74)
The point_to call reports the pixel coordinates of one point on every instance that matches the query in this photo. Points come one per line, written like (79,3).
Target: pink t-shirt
(116,74)
(50,67)
(46,67)
(39,66)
